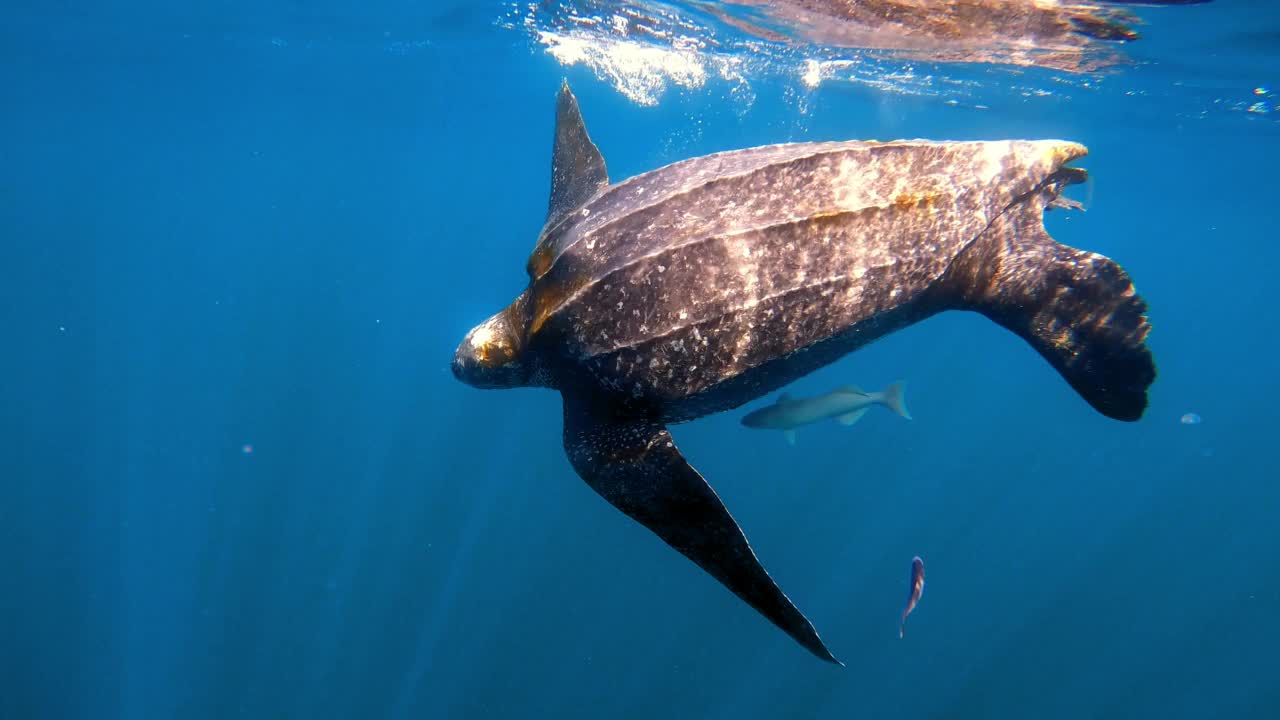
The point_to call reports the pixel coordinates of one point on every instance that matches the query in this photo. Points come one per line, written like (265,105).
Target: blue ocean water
(240,242)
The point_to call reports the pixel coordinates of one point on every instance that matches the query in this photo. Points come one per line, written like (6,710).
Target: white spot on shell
(481,336)
(993,155)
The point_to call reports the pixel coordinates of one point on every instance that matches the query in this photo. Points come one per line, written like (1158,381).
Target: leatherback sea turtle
(702,285)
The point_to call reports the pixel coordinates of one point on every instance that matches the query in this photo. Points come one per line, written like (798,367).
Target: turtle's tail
(1077,309)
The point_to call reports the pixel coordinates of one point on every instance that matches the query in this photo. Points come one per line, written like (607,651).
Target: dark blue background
(238,226)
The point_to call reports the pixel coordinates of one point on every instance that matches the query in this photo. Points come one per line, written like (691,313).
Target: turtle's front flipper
(634,464)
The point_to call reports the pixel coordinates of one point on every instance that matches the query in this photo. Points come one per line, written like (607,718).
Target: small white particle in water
(62,328)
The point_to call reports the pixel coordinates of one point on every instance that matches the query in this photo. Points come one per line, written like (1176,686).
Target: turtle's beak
(489,356)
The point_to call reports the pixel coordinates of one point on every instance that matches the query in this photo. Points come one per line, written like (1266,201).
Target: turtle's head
(491,355)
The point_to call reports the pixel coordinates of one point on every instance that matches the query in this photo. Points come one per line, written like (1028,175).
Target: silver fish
(846,405)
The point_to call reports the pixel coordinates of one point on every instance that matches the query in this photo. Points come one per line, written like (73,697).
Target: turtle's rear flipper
(635,465)
(1077,309)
